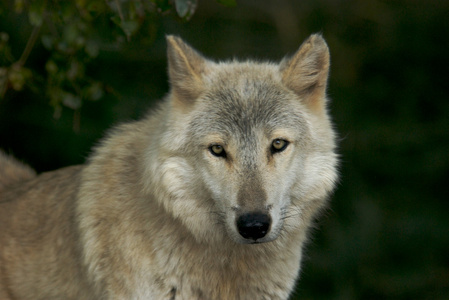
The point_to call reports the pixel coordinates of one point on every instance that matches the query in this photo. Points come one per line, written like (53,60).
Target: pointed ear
(185,69)
(306,72)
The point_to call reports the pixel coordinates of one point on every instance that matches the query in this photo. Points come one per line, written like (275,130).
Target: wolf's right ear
(306,72)
(185,69)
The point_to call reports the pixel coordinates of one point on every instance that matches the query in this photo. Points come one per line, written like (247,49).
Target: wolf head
(248,146)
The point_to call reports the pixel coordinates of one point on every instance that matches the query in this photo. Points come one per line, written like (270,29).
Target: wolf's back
(13,172)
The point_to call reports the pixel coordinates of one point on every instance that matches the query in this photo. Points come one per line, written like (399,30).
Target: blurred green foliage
(386,234)
(72,32)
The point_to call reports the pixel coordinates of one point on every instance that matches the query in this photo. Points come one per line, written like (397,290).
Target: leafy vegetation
(72,32)
(385,235)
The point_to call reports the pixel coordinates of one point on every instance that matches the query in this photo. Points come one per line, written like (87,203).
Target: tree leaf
(70,100)
(48,41)
(94,92)
(51,67)
(19,5)
(36,12)
(186,8)
(129,27)
(18,77)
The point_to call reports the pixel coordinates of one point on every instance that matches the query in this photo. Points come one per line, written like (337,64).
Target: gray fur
(156,214)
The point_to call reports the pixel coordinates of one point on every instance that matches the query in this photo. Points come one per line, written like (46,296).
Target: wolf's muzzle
(253,226)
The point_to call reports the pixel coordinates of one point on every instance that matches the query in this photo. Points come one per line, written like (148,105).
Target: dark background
(386,233)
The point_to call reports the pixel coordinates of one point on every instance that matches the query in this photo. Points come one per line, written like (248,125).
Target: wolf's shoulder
(12,171)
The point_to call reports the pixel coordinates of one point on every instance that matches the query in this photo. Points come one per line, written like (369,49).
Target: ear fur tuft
(185,69)
(306,72)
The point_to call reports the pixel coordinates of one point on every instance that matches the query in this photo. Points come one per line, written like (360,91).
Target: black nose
(253,225)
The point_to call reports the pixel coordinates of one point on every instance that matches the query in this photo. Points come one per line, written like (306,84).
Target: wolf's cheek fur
(191,206)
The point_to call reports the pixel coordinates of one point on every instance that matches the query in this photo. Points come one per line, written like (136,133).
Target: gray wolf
(211,196)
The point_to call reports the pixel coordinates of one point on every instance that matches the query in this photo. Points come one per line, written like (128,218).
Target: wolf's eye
(217,150)
(278,145)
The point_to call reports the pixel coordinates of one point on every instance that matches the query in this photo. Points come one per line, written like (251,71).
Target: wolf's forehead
(246,104)
(250,86)
(246,77)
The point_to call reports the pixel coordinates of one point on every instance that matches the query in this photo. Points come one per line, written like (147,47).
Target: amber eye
(217,150)
(278,145)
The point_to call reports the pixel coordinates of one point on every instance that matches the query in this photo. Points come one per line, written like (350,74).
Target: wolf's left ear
(185,69)
(306,72)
